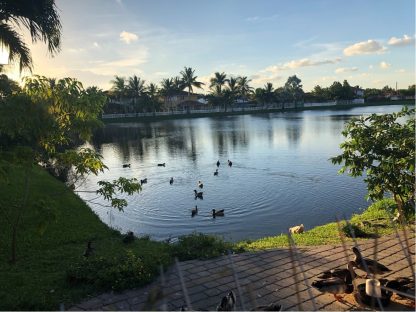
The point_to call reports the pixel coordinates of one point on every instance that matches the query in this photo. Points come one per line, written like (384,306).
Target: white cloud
(401,70)
(364,47)
(259,80)
(128,37)
(384,65)
(406,40)
(305,62)
(345,70)
(95,44)
(257,19)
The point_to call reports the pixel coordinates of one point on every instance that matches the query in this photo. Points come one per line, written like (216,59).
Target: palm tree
(218,82)
(268,92)
(189,80)
(245,89)
(168,88)
(119,86)
(230,93)
(151,93)
(40,17)
(135,88)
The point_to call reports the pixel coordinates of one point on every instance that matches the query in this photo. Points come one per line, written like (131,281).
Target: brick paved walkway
(264,277)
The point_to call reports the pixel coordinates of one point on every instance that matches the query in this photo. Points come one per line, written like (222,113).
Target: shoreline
(247,112)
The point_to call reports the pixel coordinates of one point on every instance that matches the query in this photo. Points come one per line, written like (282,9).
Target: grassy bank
(372,221)
(51,268)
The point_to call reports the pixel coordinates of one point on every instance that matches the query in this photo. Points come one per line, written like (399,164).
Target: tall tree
(243,84)
(347,92)
(294,88)
(218,81)
(336,90)
(151,96)
(135,87)
(119,86)
(40,17)
(168,89)
(190,80)
(268,93)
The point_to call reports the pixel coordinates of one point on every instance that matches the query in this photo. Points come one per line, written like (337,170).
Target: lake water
(281,175)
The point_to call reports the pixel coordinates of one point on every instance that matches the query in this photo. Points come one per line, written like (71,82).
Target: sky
(370,43)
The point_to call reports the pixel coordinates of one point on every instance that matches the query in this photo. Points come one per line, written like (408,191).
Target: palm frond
(18,51)
(40,17)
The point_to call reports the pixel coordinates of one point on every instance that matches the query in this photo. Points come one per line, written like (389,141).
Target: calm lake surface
(281,175)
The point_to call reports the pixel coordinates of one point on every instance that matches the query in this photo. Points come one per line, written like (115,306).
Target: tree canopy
(383,148)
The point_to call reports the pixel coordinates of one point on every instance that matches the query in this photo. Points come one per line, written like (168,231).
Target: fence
(270,107)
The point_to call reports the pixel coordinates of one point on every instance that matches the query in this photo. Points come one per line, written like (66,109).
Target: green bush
(115,273)
(200,246)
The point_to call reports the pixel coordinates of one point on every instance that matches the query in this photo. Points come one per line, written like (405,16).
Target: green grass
(372,221)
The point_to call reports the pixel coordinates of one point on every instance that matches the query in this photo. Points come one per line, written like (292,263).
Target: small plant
(200,246)
(115,273)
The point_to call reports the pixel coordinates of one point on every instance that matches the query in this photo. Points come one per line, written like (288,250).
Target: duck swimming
(143,181)
(373,266)
(198,194)
(218,163)
(230,163)
(126,166)
(216,172)
(337,285)
(161,165)
(194,211)
(200,184)
(171,181)
(217,213)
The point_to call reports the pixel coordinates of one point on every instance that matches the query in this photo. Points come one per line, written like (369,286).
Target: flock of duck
(340,281)
(198,195)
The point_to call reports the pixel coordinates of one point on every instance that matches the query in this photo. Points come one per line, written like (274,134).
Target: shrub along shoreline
(51,268)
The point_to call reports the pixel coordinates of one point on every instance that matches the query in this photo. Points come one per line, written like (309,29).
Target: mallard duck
(198,194)
(194,211)
(227,302)
(218,163)
(161,165)
(230,163)
(89,250)
(129,237)
(341,273)
(335,285)
(171,181)
(217,213)
(403,284)
(373,266)
(216,172)
(200,184)
(143,181)
(126,166)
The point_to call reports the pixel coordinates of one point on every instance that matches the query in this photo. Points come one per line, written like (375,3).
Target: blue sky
(369,43)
